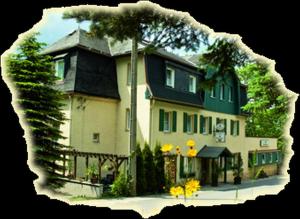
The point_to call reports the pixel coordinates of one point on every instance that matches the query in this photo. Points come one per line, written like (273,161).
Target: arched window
(222,92)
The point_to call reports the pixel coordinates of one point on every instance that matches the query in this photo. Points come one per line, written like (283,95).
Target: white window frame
(213,92)
(170,82)
(57,74)
(167,121)
(127,121)
(230,94)
(192,84)
(191,118)
(222,92)
(206,126)
(128,79)
(263,158)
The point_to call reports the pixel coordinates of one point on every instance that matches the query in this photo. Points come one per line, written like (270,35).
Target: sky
(54,28)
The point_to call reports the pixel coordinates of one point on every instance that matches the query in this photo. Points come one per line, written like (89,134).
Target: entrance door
(204,180)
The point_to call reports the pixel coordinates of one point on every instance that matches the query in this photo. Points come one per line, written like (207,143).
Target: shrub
(149,170)
(121,186)
(159,164)
(140,172)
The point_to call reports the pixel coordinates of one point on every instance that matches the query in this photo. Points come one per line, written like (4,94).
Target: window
(263,158)
(222,92)
(189,166)
(128,74)
(189,124)
(213,92)
(192,84)
(170,77)
(96,137)
(271,158)
(167,121)
(60,69)
(234,127)
(127,125)
(205,125)
(230,90)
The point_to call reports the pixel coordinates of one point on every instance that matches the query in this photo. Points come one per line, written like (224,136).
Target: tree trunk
(133,106)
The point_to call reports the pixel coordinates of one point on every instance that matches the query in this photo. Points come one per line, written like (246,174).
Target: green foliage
(33,76)
(267,105)
(238,167)
(91,171)
(221,58)
(143,22)
(151,184)
(121,186)
(159,164)
(140,172)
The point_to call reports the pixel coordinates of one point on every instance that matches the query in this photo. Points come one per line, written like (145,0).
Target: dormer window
(170,77)
(213,92)
(60,69)
(230,94)
(192,84)
(222,92)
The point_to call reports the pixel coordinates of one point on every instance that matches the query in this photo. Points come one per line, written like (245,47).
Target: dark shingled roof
(80,38)
(213,152)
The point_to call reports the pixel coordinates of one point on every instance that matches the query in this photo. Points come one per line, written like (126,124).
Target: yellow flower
(191,143)
(188,192)
(192,185)
(176,191)
(166,148)
(192,153)
(177,150)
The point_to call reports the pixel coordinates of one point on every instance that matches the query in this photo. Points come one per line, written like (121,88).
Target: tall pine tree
(33,76)
(140,172)
(159,164)
(151,183)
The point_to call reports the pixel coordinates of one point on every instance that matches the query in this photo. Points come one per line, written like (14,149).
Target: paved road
(224,194)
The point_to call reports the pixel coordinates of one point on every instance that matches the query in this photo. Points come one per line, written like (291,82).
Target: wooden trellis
(116,160)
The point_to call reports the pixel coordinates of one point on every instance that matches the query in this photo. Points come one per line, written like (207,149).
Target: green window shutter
(201,123)
(161,119)
(184,122)
(238,128)
(181,167)
(231,126)
(217,120)
(210,125)
(225,126)
(174,121)
(195,123)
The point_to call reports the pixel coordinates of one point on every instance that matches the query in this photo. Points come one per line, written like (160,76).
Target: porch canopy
(214,152)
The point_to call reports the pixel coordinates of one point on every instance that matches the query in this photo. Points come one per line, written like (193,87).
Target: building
(95,76)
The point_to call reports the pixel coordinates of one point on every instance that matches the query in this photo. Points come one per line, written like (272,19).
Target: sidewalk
(271,180)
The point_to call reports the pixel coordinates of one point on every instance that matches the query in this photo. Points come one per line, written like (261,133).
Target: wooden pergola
(116,160)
